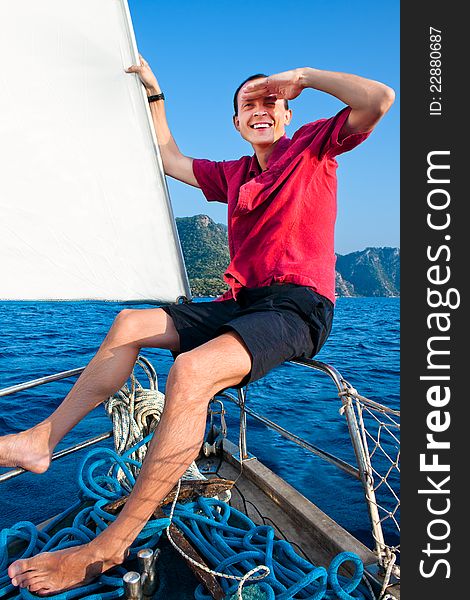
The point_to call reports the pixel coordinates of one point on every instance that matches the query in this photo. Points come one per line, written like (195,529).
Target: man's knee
(190,377)
(186,368)
(211,367)
(136,327)
(125,321)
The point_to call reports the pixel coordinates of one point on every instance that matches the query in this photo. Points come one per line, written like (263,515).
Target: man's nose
(260,113)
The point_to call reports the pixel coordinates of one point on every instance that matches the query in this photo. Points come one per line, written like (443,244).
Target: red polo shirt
(281,221)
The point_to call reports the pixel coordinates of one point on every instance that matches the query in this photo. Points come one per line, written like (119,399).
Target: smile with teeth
(261,125)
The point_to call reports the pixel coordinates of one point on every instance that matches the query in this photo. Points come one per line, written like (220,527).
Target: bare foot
(54,572)
(29,449)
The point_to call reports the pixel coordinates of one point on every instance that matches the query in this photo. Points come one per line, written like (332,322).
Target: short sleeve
(331,145)
(211,178)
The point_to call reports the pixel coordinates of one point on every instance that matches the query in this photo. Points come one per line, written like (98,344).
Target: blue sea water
(41,338)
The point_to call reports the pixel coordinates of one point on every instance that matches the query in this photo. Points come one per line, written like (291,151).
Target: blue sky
(201,50)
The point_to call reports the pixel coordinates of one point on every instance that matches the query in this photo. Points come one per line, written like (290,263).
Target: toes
(31,580)
(17,568)
(24,579)
(38,588)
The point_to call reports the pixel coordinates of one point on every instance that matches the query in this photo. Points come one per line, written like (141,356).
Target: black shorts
(277,323)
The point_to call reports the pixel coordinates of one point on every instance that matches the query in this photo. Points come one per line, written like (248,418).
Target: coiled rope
(231,543)
(99,485)
(248,576)
(135,412)
(228,539)
(236,548)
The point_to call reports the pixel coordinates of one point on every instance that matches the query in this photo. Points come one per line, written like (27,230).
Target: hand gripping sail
(84,207)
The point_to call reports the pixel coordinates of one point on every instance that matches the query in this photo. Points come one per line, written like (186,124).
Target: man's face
(262,121)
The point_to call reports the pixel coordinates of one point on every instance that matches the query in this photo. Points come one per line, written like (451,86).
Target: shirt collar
(279,149)
(254,166)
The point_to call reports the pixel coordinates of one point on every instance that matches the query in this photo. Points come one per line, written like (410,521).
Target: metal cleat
(147,560)
(208,449)
(132,586)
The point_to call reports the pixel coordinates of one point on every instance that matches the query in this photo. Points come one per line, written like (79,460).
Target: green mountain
(370,272)
(205,250)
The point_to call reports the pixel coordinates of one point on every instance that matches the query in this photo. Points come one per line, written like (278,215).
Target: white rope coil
(136,412)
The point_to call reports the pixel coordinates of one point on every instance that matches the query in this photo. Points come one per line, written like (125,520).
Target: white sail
(84,208)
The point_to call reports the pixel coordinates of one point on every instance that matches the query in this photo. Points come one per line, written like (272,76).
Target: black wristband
(156,97)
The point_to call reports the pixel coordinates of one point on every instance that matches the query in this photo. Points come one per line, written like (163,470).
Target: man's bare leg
(194,378)
(104,375)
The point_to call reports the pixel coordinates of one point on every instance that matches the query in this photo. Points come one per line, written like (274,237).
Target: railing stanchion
(241,403)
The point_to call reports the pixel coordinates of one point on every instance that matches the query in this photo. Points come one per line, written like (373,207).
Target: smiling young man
(281,214)
(269,122)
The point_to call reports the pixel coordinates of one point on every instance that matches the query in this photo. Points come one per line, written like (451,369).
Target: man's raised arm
(175,163)
(368,99)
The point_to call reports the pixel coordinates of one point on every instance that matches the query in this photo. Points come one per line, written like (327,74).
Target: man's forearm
(357,92)
(175,163)
(168,148)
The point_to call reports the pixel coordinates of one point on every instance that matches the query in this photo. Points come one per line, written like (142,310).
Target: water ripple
(44,338)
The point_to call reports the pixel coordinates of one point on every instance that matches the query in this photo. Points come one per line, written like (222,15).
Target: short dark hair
(250,78)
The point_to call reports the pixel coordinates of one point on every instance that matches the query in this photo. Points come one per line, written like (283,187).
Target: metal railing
(353,407)
(27,385)
(13,389)
(331,458)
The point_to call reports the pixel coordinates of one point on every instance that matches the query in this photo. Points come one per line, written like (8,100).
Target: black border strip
(433,249)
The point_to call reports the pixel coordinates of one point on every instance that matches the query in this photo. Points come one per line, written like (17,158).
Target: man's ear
(288,117)
(236,122)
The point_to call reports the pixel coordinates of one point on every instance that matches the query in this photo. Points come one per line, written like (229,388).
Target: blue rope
(229,541)
(98,483)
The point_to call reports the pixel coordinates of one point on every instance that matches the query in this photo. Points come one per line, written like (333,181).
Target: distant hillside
(370,272)
(205,249)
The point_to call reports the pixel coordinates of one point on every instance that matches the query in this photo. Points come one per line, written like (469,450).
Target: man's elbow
(383,100)
(378,104)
